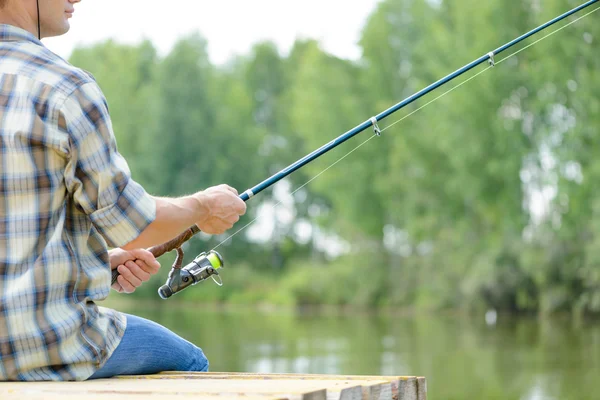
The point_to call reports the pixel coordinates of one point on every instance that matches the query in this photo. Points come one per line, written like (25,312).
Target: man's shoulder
(64,76)
(40,64)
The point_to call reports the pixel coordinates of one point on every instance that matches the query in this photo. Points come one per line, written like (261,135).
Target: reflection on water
(462,359)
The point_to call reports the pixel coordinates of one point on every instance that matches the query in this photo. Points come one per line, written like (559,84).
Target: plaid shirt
(66,195)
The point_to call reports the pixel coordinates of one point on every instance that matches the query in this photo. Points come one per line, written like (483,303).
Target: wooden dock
(224,386)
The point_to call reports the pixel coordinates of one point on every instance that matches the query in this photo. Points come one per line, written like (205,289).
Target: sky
(230,26)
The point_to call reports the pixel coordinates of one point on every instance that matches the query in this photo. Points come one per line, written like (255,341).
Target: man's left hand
(134,266)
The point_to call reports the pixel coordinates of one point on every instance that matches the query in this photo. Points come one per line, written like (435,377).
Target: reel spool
(205,265)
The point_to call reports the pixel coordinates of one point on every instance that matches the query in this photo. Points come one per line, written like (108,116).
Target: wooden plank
(378,392)
(373,388)
(254,375)
(196,386)
(293,390)
(407,389)
(421,389)
(402,387)
(128,396)
(350,393)
(226,385)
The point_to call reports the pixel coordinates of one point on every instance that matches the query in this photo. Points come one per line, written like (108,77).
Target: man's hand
(134,266)
(221,209)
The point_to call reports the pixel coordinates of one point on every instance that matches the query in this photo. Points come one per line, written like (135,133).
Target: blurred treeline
(484,199)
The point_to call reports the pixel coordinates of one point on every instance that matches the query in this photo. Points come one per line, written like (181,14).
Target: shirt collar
(10,33)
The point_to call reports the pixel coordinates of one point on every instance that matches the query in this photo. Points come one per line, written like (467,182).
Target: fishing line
(489,67)
(292,193)
(548,35)
(379,131)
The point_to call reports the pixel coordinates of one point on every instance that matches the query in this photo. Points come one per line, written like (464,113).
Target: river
(462,358)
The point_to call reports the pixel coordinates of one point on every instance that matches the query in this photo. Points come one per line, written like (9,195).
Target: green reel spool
(205,265)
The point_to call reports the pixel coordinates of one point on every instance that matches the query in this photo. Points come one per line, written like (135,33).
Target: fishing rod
(207,264)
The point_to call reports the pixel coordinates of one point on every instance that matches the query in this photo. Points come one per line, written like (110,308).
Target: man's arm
(213,210)
(99,180)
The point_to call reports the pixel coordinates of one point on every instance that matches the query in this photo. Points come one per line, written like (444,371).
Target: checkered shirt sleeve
(97,176)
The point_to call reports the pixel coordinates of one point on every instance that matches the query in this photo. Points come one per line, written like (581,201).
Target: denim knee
(199,361)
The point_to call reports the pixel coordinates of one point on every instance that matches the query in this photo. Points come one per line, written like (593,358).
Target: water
(461,358)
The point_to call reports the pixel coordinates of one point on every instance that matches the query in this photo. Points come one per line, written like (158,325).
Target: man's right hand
(220,208)
(213,210)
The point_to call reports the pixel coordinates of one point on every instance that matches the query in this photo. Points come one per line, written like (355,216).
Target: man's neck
(17,15)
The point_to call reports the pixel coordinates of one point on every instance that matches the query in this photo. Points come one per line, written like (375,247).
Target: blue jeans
(149,348)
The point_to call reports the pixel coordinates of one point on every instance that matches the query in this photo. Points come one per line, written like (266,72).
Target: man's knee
(199,361)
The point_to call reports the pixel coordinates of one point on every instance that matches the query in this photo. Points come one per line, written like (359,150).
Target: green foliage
(484,199)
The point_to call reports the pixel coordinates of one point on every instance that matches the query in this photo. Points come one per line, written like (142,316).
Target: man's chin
(59,31)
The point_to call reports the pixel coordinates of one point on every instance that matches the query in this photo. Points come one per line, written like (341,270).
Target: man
(66,197)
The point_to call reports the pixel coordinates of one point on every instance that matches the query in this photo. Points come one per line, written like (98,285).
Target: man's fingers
(126,287)
(231,189)
(217,226)
(126,273)
(227,224)
(132,275)
(116,286)
(147,257)
(240,207)
(138,271)
(150,269)
(232,219)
